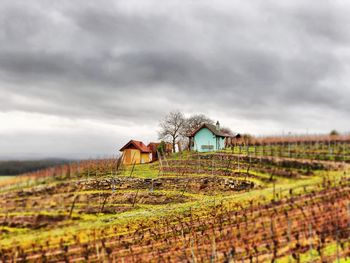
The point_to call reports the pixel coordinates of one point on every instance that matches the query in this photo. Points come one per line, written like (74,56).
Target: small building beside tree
(136,152)
(208,138)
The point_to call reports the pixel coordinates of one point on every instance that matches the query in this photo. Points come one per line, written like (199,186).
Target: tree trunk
(174,144)
(179,147)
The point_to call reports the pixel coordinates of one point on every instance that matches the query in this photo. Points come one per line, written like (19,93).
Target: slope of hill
(230,206)
(19,167)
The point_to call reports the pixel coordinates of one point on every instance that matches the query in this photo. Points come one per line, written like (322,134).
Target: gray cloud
(279,64)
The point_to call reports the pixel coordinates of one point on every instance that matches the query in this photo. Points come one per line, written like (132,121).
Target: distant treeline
(20,167)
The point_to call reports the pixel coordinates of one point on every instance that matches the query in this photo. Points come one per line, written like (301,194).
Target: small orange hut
(136,152)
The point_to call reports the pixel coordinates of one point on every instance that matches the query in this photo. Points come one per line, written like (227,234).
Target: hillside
(257,203)
(14,167)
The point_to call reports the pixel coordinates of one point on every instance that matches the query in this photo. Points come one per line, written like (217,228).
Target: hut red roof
(138,145)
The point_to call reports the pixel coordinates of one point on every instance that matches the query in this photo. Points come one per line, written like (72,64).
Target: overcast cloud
(80,78)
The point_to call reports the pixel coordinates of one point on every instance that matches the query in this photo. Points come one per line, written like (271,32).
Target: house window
(207,147)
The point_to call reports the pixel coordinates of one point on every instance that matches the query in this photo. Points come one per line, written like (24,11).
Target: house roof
(153,144)
(212,128)
(138,145)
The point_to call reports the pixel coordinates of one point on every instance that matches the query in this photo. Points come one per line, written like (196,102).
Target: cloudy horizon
(78,79)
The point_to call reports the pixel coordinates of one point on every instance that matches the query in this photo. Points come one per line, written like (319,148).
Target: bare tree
(227,131)
(172,127)
(194,122)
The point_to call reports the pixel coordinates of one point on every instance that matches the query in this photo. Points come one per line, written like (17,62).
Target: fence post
(310,241)
(160,163)
(213,256)
(349,213)
(133,167)
(289,240)
(212,165)
(238,165)
(194,260)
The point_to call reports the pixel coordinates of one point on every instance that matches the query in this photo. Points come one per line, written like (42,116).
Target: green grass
(142,170)
(4,177)
(312,255)
(88,223)
(198,203)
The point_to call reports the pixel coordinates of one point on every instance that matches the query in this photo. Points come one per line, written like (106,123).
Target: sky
(78,79)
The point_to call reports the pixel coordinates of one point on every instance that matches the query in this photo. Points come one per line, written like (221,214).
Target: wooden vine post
(289,240)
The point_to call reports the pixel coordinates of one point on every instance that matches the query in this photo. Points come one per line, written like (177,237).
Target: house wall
(132,156)
(206,141)
(221,143)
(146,157)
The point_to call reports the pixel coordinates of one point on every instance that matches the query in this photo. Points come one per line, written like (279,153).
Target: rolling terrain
(257,203)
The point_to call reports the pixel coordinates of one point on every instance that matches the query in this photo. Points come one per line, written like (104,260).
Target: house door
(127,157)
